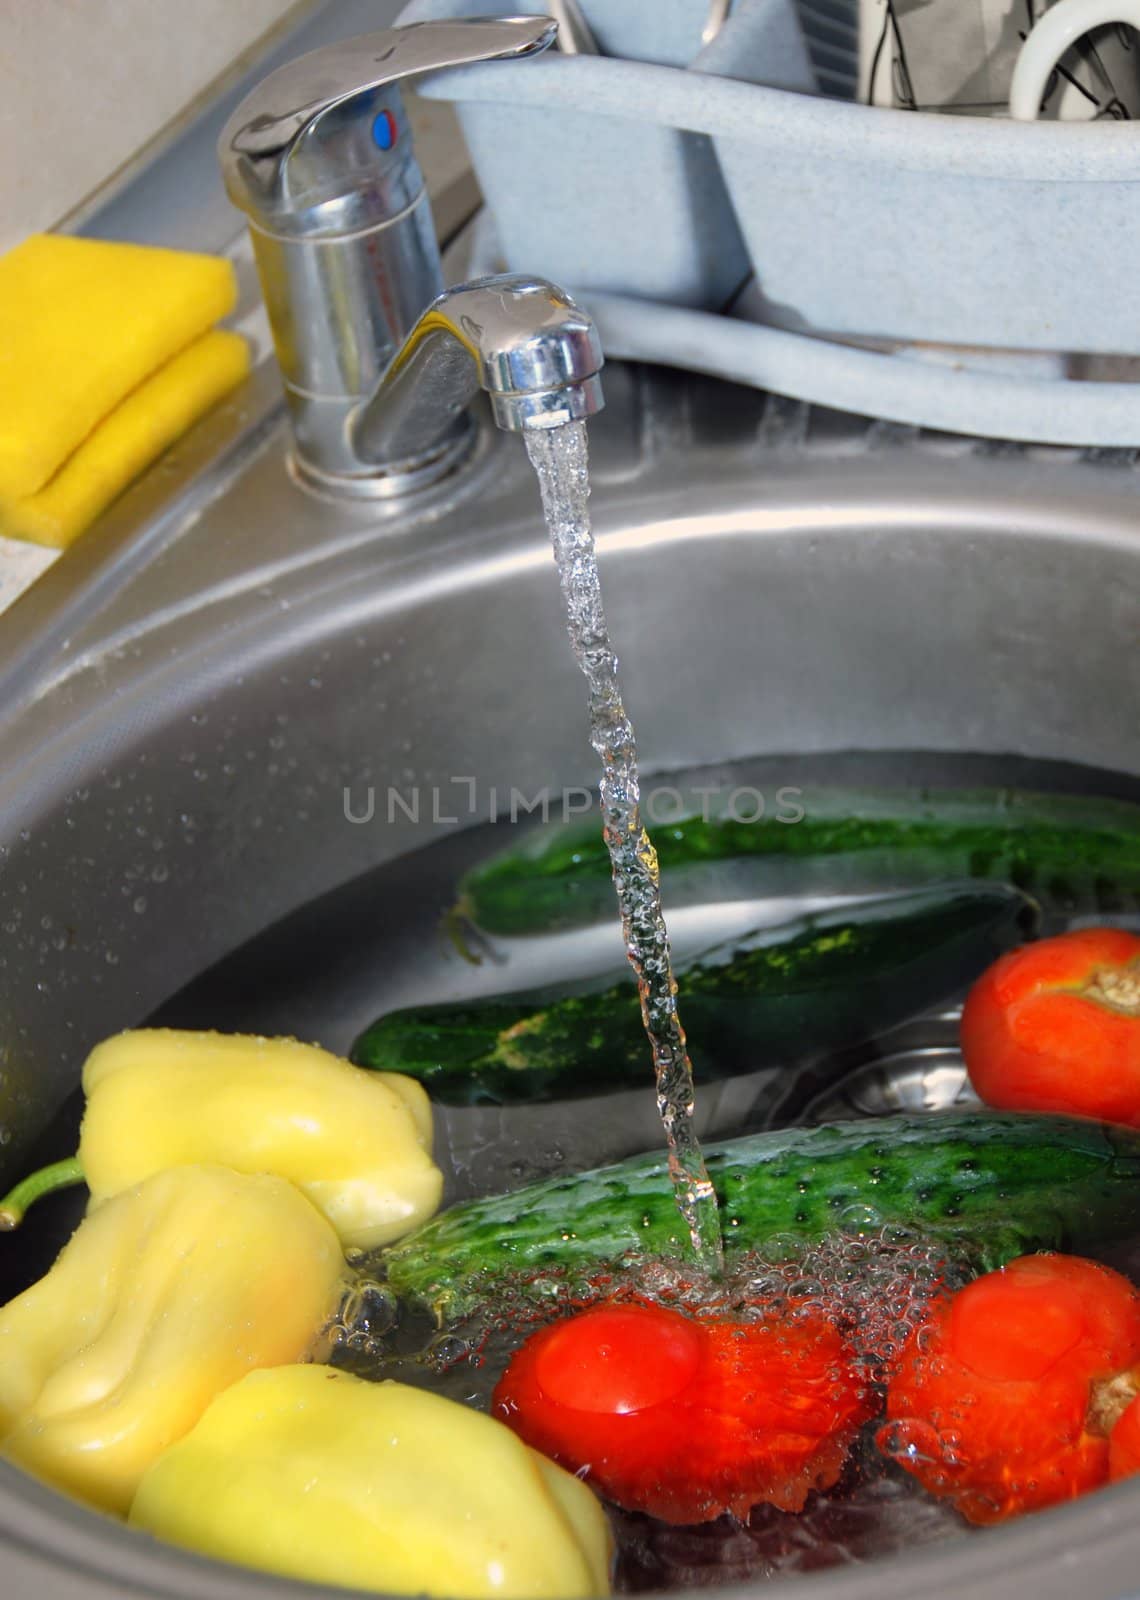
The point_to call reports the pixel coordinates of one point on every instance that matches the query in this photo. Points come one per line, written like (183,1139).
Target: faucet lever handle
(282,146)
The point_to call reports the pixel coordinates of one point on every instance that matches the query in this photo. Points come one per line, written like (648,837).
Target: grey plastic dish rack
(634,181)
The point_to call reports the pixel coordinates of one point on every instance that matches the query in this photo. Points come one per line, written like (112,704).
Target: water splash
(559,457)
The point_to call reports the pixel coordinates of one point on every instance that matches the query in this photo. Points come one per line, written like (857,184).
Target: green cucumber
(986,1187)
(1072,853)
(775,997)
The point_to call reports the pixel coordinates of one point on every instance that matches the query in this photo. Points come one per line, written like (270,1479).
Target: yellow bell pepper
(358,1143)
(317,1474)
(163,1297)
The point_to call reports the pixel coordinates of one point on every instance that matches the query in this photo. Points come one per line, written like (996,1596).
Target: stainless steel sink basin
(187,704)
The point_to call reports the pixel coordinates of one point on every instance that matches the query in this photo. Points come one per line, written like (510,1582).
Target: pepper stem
(60,1175)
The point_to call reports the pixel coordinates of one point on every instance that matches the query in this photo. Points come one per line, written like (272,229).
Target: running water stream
(559,457)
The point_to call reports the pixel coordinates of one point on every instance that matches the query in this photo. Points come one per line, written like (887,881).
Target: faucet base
(389,483)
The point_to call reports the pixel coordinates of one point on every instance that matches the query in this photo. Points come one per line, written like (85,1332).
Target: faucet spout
(522,340)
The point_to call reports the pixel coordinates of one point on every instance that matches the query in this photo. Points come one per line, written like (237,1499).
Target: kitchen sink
(240,721)
(207,713)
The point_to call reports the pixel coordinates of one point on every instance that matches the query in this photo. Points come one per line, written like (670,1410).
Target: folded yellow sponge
(82,324)
(128,440)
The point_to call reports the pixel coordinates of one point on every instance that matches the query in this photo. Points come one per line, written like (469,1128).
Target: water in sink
(378,944)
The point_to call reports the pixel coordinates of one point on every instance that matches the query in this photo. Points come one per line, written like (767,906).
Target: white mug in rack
(960,56)
(1054,35)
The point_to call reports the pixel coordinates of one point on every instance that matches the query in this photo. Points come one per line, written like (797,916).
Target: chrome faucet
(379,363)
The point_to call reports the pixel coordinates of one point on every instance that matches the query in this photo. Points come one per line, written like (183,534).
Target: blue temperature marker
(384,130)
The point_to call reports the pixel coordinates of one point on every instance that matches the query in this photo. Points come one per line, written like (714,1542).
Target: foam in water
(559,457)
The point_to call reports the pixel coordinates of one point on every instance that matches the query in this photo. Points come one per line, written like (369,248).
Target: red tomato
(990,1401)
(1055,1026)
(618,1360)
(687,1419)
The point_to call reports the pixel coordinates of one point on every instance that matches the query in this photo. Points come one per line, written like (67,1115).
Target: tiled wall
(85,83)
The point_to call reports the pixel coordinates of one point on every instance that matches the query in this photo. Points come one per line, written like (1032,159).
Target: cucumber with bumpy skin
(776,997)
(1072,853)
(985,1187)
